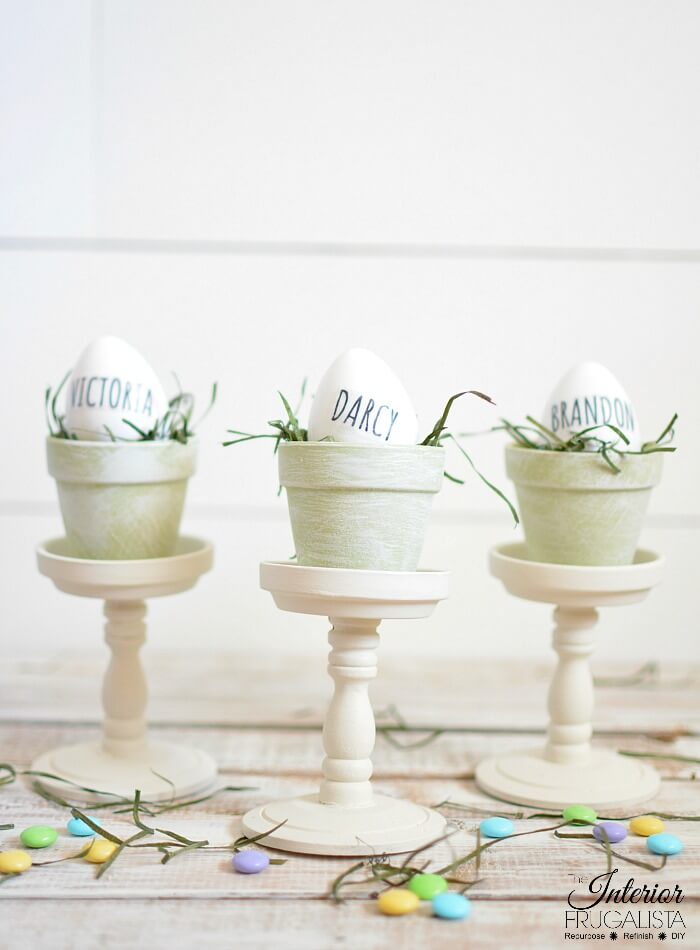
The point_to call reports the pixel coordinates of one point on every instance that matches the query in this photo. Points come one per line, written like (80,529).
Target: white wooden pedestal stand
(568,770)
(345,817)
(125,759)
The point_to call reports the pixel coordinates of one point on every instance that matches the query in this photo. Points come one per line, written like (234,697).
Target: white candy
(360,399)
(589,395)
(111,382)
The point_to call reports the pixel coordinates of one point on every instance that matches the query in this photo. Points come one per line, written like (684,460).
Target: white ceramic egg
(111,382)
(589,395)
(360,399)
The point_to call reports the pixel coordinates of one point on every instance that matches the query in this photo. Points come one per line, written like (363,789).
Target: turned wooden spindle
(124,691)
(571,696)
(349,730)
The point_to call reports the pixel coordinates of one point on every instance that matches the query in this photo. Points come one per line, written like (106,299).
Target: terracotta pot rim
(349,467)
(120,463)
(98,445)
(545,469)
(361,447)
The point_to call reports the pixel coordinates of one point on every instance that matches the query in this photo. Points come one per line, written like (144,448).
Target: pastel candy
(38,836)
(250,861)
(646,825)
(397,901)
(496,828)
(426,886)
(451,906)
(580,814)
(664,844)
(14,862)
(613,829)
(79,828)
(101,850)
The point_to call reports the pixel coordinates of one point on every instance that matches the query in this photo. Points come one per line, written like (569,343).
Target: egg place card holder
(125,758)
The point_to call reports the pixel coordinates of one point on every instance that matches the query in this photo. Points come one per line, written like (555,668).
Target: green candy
(427,886)
(38,836)
(581,814)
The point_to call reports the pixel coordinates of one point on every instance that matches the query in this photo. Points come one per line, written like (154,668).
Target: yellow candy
(646,825)
(14,862)
(398,901)
(100,851)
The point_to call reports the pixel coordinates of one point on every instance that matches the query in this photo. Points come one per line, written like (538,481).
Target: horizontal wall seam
(446,251)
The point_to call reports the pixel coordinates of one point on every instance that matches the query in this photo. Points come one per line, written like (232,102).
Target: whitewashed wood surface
(262,725)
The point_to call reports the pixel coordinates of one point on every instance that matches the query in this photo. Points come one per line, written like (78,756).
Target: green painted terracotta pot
(576,510)
(357,506)
(121,500)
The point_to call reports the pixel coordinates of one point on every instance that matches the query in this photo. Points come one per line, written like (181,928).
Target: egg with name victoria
(590,395)
(112,382)
(360,399)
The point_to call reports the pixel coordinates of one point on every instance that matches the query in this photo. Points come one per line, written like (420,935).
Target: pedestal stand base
(125,760)
(609,780)
(568,770)
(345,817)
(387,826)
(189,770)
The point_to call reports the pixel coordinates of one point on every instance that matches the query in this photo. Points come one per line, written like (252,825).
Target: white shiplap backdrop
(482,192)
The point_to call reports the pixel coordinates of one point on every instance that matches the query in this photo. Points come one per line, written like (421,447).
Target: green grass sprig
(440,432)
(244,840)
(535,435)
(285,430)
(176,424)
(648,673)
(437,433)
(484,479)
(399,724)
(117,803)
(660,755)
(54,420)
(398,875)
(447,803)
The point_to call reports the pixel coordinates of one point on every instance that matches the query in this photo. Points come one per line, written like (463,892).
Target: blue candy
(613,829)
(451,906)
(250,861)
(496,827)
(77,827)
(664,843)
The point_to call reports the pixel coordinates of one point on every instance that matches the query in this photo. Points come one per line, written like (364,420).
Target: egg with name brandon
(112,382)
(361,400)
(589,395)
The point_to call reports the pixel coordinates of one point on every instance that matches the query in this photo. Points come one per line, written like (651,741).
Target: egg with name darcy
(360,399)
(112,382)
(589,395)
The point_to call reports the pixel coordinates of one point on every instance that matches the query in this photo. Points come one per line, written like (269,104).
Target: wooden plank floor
(262,725)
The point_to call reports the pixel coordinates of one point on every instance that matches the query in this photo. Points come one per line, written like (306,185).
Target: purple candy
(613,829)
(250,861)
